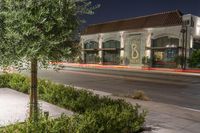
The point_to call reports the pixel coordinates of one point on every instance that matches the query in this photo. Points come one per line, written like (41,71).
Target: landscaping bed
(94,114)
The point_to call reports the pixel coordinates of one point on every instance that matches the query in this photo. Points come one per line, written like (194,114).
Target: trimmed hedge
(95,114)
(43,125)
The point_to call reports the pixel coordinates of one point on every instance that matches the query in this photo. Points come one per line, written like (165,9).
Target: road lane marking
(123,77)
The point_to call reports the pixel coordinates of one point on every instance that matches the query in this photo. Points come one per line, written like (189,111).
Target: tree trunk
(33,114)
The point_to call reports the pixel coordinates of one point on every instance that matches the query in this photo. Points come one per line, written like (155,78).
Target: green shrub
(140,95)
(110,119)
(43,125)
(104,120)
(194,60)
(66,96)
(97,114)
(4,80)
(20,83)
(15,81)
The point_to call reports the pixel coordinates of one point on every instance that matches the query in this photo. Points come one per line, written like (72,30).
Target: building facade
(158,40)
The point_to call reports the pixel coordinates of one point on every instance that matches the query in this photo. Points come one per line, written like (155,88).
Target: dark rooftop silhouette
(169,18)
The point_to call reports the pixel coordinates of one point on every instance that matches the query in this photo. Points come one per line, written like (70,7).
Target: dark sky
(119,9)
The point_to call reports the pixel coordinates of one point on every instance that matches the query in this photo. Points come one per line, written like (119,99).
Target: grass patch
(140,95)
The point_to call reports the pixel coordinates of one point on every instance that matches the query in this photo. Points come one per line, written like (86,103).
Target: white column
(82,52)
(122,44)
(189,44)
(100,47)
(148,45)
(191,41)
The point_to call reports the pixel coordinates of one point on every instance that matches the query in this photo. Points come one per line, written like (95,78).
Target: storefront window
(196,44)
(111,52)
(91,57)
(91,45)
(111,44)
(165,42)
(91,52)
(165,51)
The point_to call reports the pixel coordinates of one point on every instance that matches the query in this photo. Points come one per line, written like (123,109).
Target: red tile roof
(171,18)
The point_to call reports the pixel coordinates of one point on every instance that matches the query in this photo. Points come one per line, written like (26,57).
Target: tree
(194,60)
(39,31)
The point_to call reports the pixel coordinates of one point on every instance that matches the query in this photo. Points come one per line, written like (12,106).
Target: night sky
(120,9)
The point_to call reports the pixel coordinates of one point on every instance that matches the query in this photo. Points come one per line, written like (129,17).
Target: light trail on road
(123,77)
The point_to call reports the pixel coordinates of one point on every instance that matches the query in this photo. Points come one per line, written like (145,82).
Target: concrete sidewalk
(14,107)
(195,72)
(164,118)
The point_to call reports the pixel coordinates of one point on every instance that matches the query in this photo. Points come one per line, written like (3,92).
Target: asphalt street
(176,89)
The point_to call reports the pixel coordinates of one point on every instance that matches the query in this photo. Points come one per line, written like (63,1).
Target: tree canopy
(39,31)
(43,29)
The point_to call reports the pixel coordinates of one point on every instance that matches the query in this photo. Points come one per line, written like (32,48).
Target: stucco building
(158,39)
